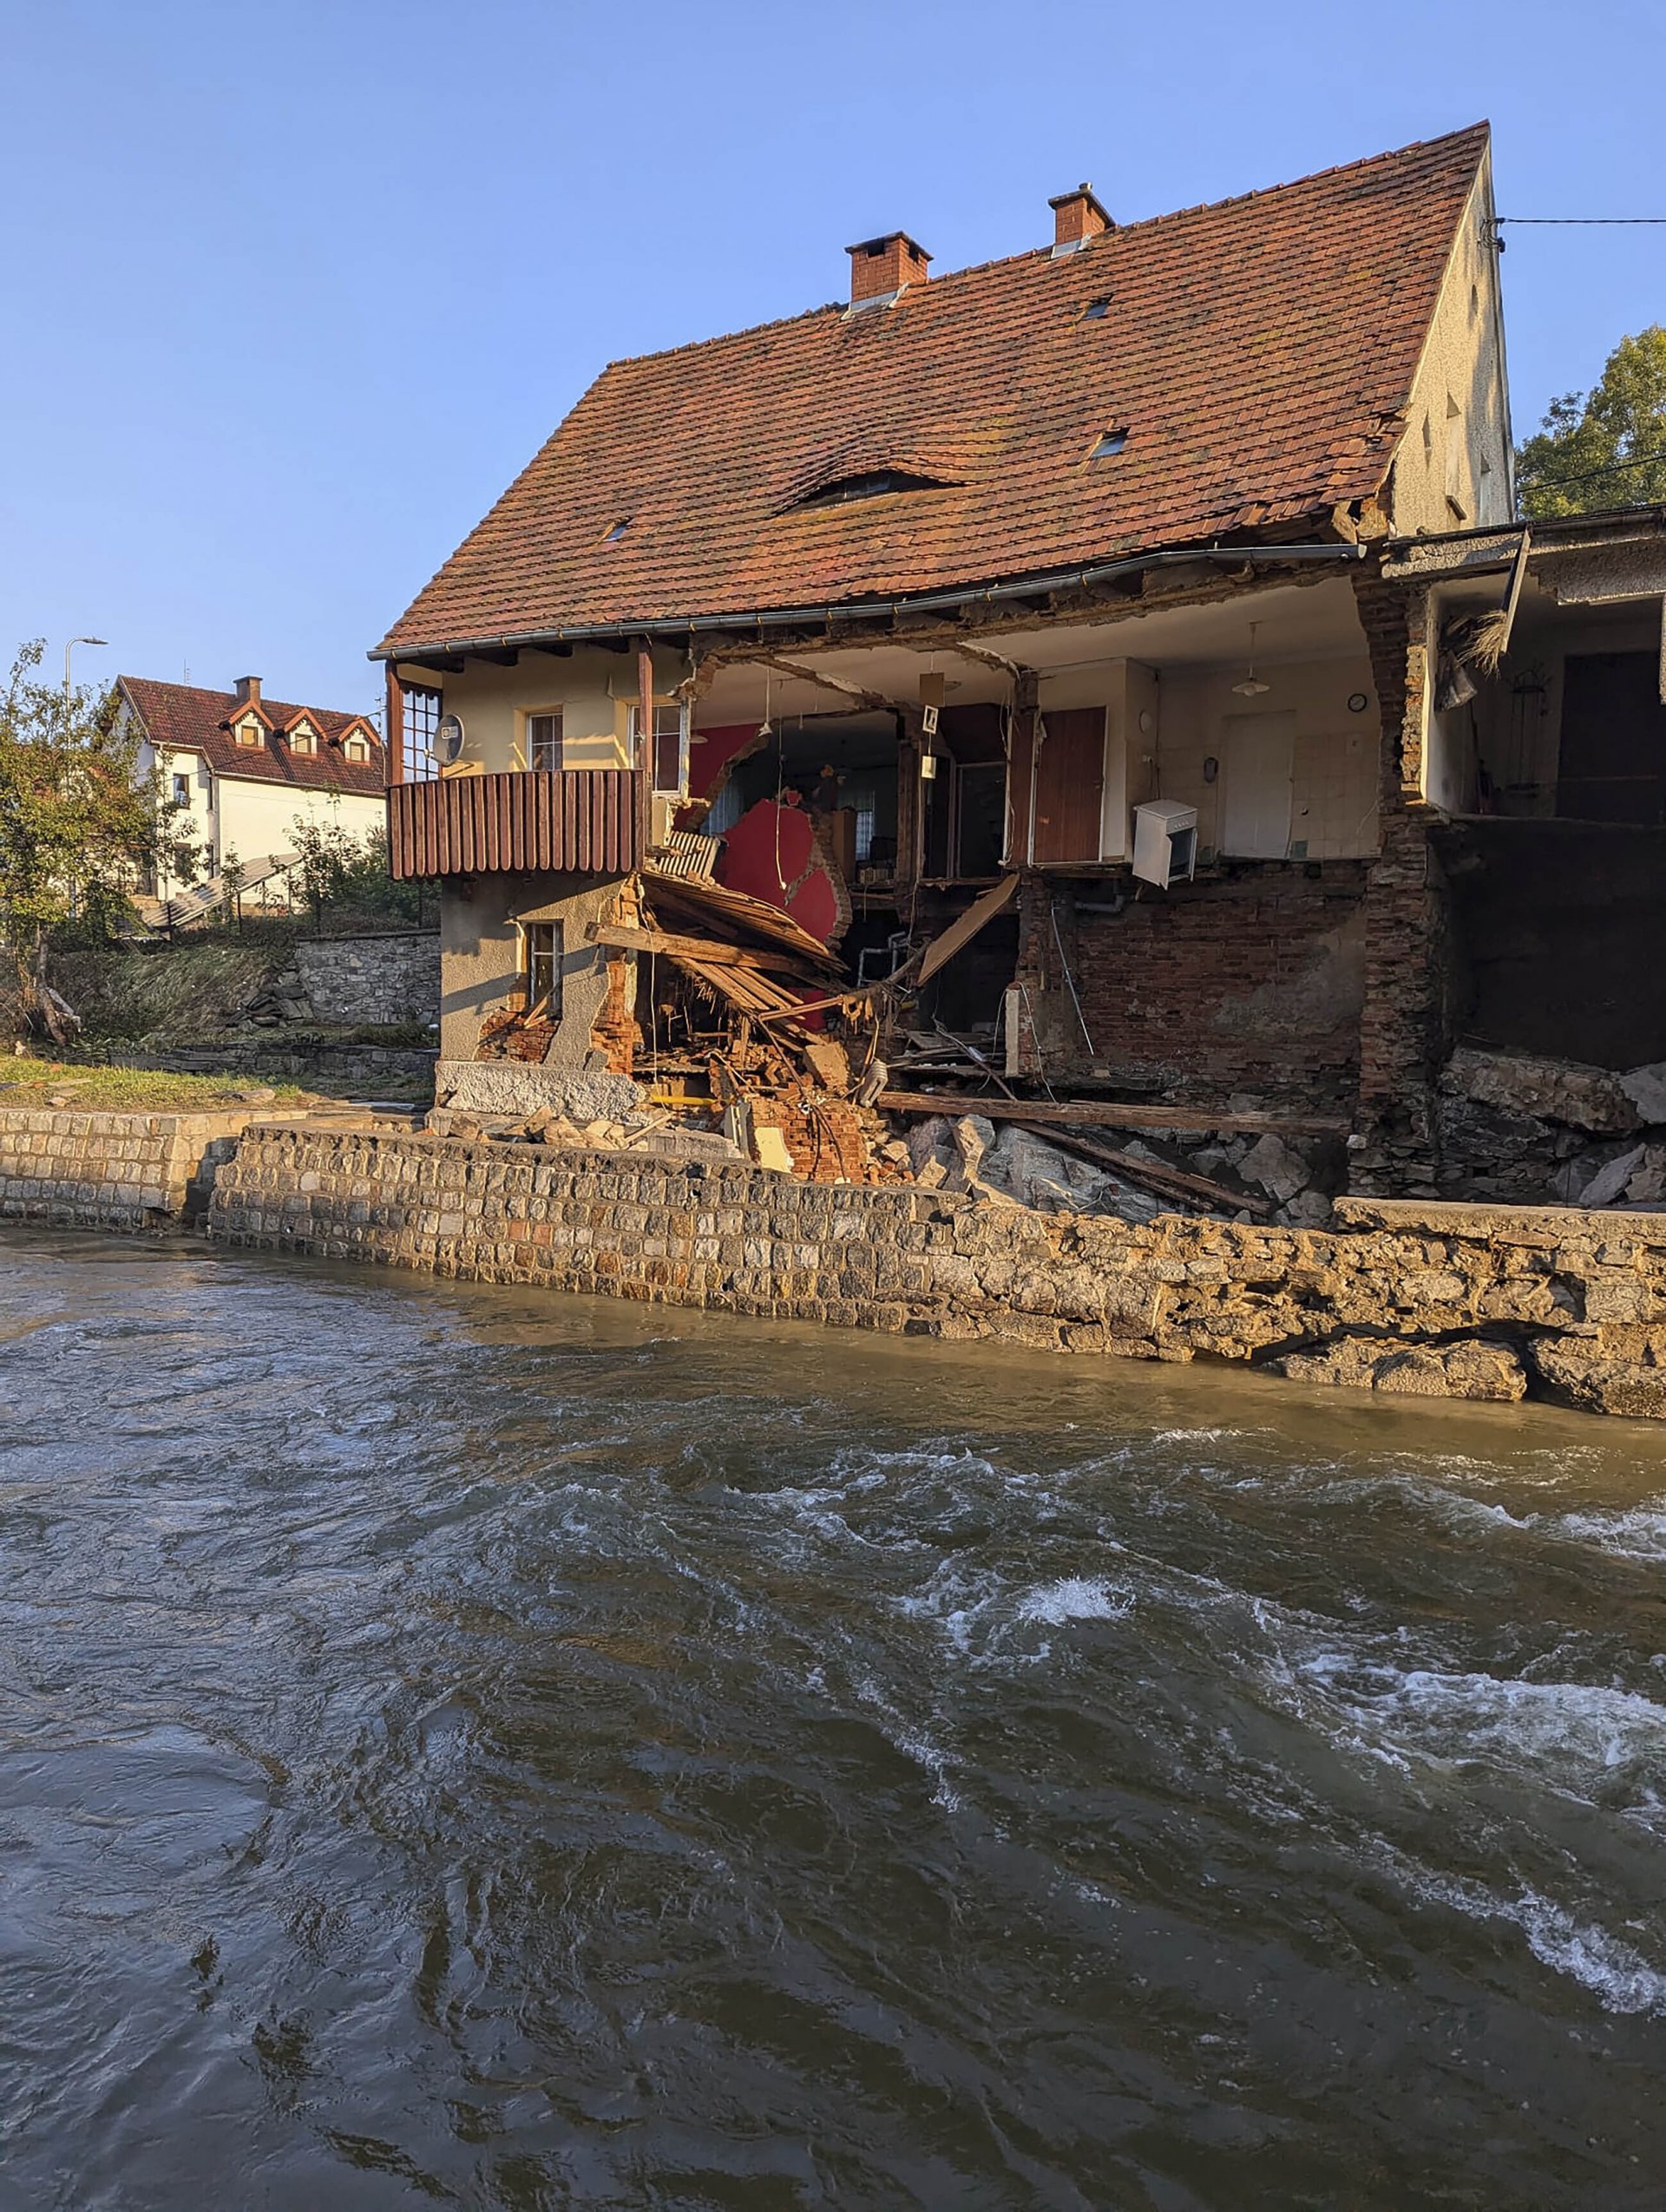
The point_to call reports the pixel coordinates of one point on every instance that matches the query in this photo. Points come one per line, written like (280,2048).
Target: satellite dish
(449,739)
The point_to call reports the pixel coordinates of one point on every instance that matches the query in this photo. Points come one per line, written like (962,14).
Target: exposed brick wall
(1252,984)
(1426,1300)
(1404,1025)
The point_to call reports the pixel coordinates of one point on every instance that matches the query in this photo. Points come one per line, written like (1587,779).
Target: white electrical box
(1165,841)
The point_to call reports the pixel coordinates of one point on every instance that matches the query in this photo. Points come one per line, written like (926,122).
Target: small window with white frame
(543,740)
(355,748)
(302,738)
(669,763)
(543,968)
(249,732)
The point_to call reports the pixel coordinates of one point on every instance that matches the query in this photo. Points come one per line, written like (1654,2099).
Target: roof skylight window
(1111,442)
(1096,310)
(617,532)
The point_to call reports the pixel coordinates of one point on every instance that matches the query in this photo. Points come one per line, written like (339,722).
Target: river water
(471,1748)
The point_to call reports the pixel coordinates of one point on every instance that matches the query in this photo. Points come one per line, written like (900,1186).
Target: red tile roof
(1260,353)
(180,717)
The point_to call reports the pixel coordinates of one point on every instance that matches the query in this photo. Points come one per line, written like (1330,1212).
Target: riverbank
(1401,1296)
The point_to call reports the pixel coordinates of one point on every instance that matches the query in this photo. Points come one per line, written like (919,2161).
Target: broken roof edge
(1492,545)
(1074,578)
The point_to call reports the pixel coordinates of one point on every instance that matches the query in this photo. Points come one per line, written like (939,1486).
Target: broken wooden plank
(1157,1175)
(1109,1113)
(965,927)
(625,939)
(687,898)
(754,992)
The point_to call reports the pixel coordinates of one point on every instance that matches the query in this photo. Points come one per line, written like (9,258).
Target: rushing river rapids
(465,1751)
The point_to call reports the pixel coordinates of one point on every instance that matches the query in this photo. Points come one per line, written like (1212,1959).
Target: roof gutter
(912,603)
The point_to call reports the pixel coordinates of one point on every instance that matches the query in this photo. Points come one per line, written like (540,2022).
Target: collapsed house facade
(1023,681)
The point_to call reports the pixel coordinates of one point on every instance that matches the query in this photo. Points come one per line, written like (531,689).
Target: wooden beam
(965,927)
(709,951)
(1108,1114)
(644,761)
(1157,1175)
(393,733)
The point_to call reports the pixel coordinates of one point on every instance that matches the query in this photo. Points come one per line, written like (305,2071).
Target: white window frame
(633,740)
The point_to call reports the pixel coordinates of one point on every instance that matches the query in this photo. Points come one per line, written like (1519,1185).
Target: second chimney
(880,267)
(248,690)
(1077,217)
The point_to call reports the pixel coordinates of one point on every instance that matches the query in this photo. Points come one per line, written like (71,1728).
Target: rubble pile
(1519,1130)
(1260,1178)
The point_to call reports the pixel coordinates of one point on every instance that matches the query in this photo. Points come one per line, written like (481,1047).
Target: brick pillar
(1405,1021)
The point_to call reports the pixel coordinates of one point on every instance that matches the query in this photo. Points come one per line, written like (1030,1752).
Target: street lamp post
(67,649)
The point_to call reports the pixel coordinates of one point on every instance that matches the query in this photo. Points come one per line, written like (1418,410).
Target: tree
(233,874)
(327,854)
(337,870)
(78,824)
(1606,448)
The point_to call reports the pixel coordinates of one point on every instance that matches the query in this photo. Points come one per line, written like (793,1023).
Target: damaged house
(1010,697)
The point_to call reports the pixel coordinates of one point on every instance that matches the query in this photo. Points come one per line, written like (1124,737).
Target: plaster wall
(482,963)
(255,820)
(1453,469)
(1334,781)
(593,690)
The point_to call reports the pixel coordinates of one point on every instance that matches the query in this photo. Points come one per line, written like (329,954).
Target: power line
(1561,222)
(1611,468)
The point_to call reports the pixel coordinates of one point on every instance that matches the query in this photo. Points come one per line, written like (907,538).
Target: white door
(1258,772)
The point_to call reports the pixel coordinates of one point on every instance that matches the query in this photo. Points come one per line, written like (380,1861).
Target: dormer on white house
(243,770)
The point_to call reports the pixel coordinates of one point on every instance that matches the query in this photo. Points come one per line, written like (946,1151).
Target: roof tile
(1260,352)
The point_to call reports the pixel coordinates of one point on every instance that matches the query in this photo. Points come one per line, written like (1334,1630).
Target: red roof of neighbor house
(1259,353)
(185,719)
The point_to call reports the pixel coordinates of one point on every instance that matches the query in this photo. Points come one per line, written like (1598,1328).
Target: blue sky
(294,289)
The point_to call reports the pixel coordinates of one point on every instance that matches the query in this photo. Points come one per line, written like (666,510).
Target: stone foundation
(528,1087)
(136,1174)
(1407,1298)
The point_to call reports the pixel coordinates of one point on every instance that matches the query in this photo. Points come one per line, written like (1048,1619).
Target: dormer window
(872,484)
(302,738)
(355,749)
(249,732)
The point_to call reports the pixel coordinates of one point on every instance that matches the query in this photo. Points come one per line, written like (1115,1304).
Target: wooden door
(1069,785)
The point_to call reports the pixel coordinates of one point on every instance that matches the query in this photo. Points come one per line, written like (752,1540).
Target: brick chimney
(880,267)
(248,690)
(1077,217)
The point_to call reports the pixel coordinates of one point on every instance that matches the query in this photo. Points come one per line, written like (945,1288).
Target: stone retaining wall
(356,980)
(283,1057)
(134,1173)
(1404,1297)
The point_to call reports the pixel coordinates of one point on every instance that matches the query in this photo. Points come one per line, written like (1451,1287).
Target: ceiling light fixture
(1251,687)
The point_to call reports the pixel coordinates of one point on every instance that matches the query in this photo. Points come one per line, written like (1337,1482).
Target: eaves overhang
(960,597)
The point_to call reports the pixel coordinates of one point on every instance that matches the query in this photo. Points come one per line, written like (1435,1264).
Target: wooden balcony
(581,821)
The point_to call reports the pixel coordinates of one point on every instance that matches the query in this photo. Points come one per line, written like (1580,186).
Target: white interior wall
(1335,783)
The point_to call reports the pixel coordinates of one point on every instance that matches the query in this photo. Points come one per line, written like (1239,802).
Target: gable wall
(1463,367)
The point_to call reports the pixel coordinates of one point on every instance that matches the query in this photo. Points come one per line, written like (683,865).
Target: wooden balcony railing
(582,821)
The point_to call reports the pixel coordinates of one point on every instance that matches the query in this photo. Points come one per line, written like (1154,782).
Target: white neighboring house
(241,767)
